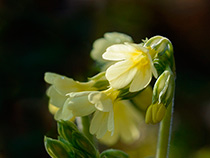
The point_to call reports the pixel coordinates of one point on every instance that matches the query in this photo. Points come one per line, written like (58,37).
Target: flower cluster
(108,97)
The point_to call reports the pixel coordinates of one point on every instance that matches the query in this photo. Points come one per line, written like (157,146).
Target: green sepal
(113,153)
(81,142)
(99,76)
(163,53)
(101,83)
(65,129)
(56,148)
(126,94)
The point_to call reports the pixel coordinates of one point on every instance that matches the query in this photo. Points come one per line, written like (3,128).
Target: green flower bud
(65,129)
(56,148)
(155,113)
(82,143)
(162,96)
(164,88)
(113,153)
(74,152)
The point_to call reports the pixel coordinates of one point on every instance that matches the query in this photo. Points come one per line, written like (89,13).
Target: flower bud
(56,148)
(164,88)
(82,143)
(155,113)
(162,96)
(113,153)
(161,51)
(65,129)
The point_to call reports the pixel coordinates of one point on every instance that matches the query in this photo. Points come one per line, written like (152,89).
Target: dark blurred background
(57,35)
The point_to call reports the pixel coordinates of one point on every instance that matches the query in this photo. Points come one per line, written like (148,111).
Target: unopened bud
(163,89)
(162,96)
(82,143)
(66,128)
(56,148)
(155,113)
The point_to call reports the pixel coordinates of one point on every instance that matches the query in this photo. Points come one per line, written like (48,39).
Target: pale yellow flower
(61,86)
(126,123)
(101,44)
(134,66)
(103,119)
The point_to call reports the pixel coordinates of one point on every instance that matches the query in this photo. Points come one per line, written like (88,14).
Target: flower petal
(111,122)
(117,37)
(120,74)
(98,124)
(154,71)
(55,97)
(102,101)
(141,80)
(64,113)
(79,104)
(118,52)
(49,77)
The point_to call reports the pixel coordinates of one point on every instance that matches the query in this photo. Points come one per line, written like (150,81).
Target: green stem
(165,133)
(85,128)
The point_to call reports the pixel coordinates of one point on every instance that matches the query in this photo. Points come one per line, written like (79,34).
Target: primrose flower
(103,118)
(126,121)
(60,87)
(77,104)
(134,66)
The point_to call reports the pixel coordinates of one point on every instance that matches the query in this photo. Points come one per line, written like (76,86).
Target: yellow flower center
(112,93)
(140,59)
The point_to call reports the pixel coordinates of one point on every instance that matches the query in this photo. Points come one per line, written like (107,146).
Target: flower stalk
(165,129)
(164,136)
(85,128)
